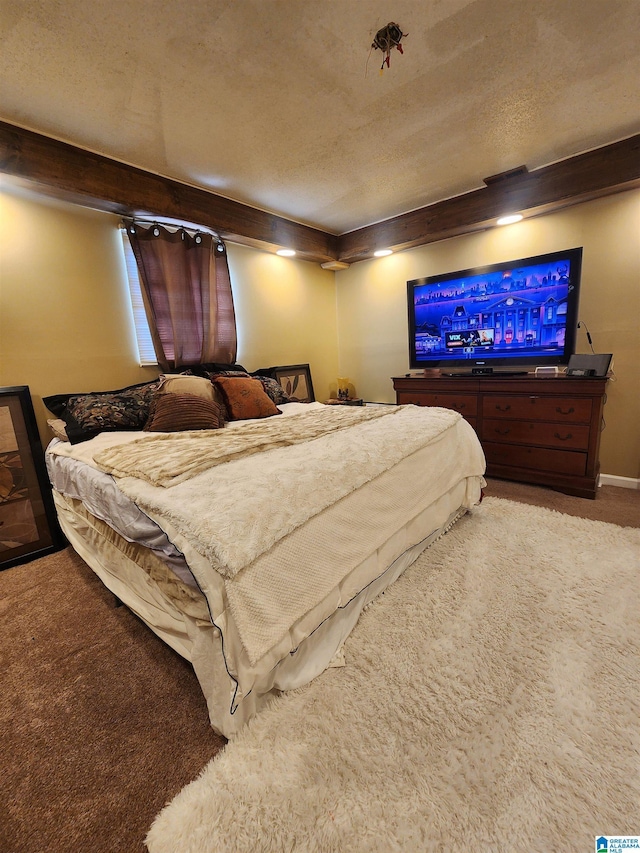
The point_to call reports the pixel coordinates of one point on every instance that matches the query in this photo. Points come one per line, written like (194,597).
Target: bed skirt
(184,623)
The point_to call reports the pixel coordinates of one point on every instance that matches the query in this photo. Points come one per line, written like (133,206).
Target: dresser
(542,430)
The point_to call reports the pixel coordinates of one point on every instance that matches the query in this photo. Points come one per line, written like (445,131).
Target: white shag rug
(491,701)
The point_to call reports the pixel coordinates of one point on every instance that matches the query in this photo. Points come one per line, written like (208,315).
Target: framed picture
(296,381)
(28,523)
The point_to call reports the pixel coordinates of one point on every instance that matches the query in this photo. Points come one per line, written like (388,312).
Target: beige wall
(286,311)
(372,305)
(65,319)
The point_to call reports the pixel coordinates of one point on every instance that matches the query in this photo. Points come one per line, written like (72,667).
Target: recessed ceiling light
(286,253)
(510,219)
(382,253)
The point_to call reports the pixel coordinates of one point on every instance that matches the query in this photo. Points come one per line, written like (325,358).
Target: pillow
(58,428)
(199,386)
(274,390)
(87,415)
(179,412)
(214,368)
(213,374)
(245,398)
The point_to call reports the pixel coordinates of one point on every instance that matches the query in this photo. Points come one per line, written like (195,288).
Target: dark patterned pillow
(213,374)
(245,398)
(274,390)
(179,412)
(215,368)
(87,415)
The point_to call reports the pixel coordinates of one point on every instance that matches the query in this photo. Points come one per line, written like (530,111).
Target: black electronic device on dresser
(533,429)
(591,364)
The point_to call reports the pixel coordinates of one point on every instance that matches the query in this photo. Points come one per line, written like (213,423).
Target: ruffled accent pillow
(180,412)
(245,398)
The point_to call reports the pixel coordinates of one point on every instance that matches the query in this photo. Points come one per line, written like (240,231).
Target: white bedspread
(259,522)
(232,513)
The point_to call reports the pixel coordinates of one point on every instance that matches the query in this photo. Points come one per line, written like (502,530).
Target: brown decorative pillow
(180,412)
(176,383)
(201,386)
(245,398)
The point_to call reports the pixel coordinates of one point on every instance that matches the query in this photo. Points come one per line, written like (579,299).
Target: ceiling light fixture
(286,253)
(510,219)
(382,253)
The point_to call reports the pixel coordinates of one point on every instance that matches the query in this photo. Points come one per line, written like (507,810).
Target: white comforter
(227,515)
(238,519)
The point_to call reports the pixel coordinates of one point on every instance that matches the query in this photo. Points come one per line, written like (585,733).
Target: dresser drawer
(571,436)
(466,404)
(559,409)
(536,458)
(543,430)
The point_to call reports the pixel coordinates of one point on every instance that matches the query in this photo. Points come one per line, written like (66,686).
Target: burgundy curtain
(186,290)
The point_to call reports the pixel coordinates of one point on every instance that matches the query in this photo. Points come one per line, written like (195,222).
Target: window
(146,352)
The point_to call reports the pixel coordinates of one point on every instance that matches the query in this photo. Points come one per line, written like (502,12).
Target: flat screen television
(496,318)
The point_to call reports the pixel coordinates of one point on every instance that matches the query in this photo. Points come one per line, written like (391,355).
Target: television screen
(522,312)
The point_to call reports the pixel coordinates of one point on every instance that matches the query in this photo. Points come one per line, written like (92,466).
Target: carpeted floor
(617,506)
(101,721)
(102,724)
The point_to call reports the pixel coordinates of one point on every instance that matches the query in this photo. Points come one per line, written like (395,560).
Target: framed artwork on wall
(28,523)
(296,381)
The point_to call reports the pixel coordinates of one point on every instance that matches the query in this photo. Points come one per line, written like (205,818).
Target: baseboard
(621,482)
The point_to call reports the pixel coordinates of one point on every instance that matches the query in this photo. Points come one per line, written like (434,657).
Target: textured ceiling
(280,103)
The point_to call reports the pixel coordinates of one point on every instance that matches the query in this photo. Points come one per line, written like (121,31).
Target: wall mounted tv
(517,313)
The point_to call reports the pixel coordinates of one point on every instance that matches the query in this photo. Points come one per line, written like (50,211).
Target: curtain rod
(166,223)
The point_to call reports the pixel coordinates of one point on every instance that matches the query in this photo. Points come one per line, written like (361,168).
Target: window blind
(146,352)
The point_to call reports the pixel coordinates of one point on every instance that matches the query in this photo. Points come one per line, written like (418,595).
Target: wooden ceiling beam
(603,171)
(92,180)
(82,177)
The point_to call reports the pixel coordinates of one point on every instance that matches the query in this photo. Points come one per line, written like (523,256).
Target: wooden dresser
(543,430)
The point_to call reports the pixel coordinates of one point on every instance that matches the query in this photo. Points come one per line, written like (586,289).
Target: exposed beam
(604,171)
(95,181)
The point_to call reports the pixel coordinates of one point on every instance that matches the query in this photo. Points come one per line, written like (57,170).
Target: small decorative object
(350,401)
(28,523)
(386,39)
(343,387)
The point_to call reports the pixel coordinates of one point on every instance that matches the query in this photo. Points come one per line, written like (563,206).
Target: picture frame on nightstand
(28,522)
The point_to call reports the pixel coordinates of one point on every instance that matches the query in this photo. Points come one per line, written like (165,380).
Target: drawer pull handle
(503,408)
(461,406)
(562,437)
(561,411)
(502,431)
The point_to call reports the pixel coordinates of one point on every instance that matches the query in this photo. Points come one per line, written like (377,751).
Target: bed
(251,548)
